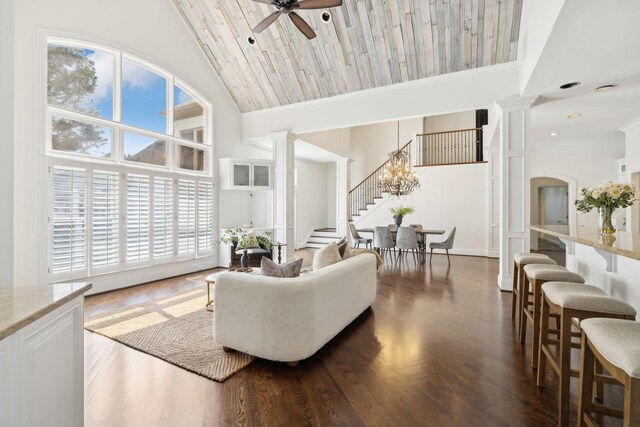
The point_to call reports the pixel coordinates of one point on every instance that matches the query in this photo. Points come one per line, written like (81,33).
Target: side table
(211,280)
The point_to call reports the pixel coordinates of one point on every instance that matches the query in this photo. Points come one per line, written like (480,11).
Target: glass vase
(605,220)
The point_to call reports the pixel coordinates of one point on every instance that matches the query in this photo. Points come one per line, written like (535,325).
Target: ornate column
(283,191)
(343,185)
(514,184)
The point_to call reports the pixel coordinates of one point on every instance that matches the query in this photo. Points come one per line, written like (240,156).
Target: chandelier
(397,177)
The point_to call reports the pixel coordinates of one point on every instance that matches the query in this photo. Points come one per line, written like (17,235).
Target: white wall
(462,91)
(449,196)
(371,144)
(335,140)
(538,19)
(448,122)
(312,197)
(588,163)
(150,29)
(632,146)
(6,140)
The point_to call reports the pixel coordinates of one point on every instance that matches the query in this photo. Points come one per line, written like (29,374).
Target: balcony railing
(449,148)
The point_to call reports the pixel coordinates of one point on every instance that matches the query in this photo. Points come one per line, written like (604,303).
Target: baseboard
(124,279)
(505,284)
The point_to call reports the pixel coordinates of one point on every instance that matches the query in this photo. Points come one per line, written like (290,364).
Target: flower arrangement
(401,210)
(245,239)
(606,195)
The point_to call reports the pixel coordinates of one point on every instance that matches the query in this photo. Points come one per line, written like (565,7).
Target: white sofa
(288,320)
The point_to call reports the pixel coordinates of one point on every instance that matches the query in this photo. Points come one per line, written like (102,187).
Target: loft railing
(367,191)
(452,147)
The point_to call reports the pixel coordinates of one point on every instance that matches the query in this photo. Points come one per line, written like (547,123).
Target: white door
(556,207)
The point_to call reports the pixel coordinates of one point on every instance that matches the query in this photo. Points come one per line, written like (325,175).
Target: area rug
(177,329)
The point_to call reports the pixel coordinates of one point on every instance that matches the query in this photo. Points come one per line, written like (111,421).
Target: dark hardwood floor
(438,348)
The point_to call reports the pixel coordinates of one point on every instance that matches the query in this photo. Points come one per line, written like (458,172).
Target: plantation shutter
(205,217)
(105,219)
(68,220)
(186,217)
(138,221)
(162,217)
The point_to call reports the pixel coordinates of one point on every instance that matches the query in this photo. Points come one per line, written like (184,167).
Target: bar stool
(536,275)
(571,301)
(616,345)
(519,261)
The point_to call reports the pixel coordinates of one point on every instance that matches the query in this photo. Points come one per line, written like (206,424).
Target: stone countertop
(620,243)
(22,305)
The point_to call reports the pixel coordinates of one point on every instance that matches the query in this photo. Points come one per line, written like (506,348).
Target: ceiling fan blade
(318,4)
(302,25)
(266,22)
(264,1)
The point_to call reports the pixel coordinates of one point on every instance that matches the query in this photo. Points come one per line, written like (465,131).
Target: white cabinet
(6,382)
(236,174)
(46,378)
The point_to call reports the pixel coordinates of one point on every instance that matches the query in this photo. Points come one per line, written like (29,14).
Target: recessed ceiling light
(553,134)
(326,16)
(251,40)
(569,85)
(605,88)
(574,116)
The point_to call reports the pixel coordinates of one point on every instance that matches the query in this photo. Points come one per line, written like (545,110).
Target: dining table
(422,238)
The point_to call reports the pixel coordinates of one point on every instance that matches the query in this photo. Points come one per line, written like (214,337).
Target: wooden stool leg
(537,290)
(565,368)
(585,390)
(632,403)
(599,385)
(524,296)
(544,338)
(514,291)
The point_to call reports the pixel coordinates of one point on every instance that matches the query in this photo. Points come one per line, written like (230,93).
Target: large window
(129,164)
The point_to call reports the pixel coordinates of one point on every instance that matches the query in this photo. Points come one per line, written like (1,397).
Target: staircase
(321,237)
(455,147)
(367,192)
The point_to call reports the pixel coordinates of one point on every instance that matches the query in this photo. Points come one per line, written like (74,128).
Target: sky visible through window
(144,93)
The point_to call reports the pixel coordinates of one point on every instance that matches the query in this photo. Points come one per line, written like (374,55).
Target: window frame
(117,164)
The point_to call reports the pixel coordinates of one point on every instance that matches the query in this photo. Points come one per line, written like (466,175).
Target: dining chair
(407,240)
(446,245)
(382,240)
(357,239)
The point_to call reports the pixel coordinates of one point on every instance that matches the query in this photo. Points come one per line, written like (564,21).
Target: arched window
(130,163)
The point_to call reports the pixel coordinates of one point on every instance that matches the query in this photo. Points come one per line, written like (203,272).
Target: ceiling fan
(287,7)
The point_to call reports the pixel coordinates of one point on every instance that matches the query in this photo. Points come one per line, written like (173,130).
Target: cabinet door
(51,369)
(241,175)
(261,176)
(6,383)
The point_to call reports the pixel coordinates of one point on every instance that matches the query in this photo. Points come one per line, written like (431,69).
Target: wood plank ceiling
(367,44)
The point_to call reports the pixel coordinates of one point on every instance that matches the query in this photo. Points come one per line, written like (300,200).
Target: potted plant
(244,239)
(399,213)
(606,197)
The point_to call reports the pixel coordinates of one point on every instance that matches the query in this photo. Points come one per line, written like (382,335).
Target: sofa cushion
(272,269)
(250,236)
(326,256)
(344,249)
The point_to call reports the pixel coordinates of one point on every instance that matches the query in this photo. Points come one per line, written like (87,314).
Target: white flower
(615,192)
(628,188)
(596,193)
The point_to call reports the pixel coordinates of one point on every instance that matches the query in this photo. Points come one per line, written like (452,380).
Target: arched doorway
(551,204)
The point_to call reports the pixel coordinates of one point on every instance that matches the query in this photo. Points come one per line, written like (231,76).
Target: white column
(514,185)
(7,38)
(343,185)
(492,154)
(283,215)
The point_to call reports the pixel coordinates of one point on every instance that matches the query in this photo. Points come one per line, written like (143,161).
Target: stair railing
(367,191)
(451,147)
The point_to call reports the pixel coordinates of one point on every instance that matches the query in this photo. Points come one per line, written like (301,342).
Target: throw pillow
(347,252)
(251,236)
(326,256)
(289,269)
(344,249)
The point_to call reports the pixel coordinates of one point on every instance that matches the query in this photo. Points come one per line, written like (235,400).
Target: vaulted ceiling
(367,44)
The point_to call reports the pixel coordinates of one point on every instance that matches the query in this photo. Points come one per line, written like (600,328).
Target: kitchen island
(611,262)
